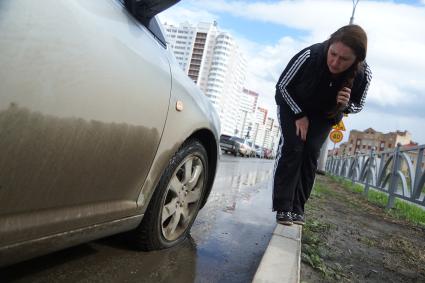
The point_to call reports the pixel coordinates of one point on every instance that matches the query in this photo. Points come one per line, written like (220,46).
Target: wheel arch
(207,139)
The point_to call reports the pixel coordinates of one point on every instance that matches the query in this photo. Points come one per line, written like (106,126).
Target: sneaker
(298,218)
(284,218)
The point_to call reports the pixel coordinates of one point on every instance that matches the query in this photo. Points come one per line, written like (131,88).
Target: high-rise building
(181,40)
(259,130)
(272,134)
(275,135)
(246,117)
(216,64)
(225,81)
(193,47)
(249,100)
(200,63)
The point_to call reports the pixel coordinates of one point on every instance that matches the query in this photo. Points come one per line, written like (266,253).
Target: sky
(270,32)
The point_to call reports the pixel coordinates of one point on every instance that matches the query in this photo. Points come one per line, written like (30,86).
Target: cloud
(386,122)
(179,14)
(395,49)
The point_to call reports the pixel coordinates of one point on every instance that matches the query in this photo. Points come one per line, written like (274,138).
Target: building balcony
(195,61)
(195,65)
(197,52)
(201,35)
(194,68)
(193,77)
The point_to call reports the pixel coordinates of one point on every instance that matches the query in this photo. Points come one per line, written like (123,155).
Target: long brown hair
(354,37)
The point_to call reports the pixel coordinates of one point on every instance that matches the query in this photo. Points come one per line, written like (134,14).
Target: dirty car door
(84,95)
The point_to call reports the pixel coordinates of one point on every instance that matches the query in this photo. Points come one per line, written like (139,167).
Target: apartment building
(272,134)
(364,141)
(181,40)
(214,61)
(225,81)
(246,119)
(259,128)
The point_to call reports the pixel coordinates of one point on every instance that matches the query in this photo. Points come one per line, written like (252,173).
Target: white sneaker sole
(287,223)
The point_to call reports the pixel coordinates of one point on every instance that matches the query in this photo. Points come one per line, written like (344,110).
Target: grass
(401,209)
(320,189)
(314,248)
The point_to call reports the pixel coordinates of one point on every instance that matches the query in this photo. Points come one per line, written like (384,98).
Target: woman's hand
(301,126)
(343,96)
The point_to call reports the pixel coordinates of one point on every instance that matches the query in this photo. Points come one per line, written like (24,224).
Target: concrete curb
(282,260)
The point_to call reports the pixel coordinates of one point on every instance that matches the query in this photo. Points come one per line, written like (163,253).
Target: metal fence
(398,172)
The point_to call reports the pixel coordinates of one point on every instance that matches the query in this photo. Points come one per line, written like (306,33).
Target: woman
(318,85)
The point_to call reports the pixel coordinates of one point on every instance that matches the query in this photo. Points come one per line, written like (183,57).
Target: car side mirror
(144,10)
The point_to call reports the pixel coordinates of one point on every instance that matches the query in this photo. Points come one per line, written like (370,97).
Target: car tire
(176,200)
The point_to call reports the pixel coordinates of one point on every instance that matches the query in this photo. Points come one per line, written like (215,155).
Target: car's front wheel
(176,200)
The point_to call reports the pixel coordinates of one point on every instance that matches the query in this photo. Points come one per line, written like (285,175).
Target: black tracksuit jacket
(307,87)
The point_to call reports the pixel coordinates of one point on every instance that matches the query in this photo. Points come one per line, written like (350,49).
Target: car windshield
(224,137)
(237,139)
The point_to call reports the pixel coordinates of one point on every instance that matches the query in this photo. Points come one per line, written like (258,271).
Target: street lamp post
(354,10)
(244,121)
(324,150)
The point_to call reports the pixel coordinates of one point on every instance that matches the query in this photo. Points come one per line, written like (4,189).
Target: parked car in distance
(236,146)
(259,151)
(268,153)
(229,145)
(252,148)
(101,131)
(245,149)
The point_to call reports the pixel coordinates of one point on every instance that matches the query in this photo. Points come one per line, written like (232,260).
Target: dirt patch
(348,239)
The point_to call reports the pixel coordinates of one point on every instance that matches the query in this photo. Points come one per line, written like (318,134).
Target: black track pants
(296,161)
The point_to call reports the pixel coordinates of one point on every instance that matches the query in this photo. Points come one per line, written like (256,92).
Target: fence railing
(398,172)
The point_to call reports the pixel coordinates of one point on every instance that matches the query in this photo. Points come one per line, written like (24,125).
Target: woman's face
(340,57)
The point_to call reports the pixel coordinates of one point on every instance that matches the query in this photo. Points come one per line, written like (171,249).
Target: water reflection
(233,229)
(239,182)
(108,260)
(227,241)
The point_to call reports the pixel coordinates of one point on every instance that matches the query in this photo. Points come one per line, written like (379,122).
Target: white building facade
(216,64)
(181,40)
(261,116)
(245,125)
(225,81)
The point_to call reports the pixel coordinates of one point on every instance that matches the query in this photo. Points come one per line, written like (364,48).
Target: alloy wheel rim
(182,198)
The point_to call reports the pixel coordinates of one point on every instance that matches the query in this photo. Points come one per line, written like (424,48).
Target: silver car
(100,130)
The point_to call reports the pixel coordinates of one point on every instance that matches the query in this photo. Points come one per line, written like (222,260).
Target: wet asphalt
(227,240)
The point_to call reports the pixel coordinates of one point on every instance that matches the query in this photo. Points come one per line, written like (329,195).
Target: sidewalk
(281,261)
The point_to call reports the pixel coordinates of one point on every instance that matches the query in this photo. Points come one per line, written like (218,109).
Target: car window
(224,137)
(153,26)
